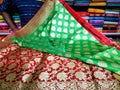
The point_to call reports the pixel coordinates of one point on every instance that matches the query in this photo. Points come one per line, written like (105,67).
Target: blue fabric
(26,8)
(5,6)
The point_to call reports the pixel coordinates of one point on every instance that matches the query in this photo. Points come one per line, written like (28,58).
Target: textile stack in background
(118,27)
(82,2)
(96,18)
(111,20)
(98,3)
(113,2)
(97,14)
(84,14)
(4,28)
(70,2)
(100,14)
(16,19)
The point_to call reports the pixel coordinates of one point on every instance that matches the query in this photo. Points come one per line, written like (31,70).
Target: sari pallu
(52,50)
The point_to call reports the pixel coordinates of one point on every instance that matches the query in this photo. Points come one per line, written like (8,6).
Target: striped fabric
(26,8)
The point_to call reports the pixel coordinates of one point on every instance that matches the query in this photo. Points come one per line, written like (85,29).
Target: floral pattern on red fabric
(27,69)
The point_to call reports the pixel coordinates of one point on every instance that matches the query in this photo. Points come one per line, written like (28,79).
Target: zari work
(66,37)
(58,50)
(28,69)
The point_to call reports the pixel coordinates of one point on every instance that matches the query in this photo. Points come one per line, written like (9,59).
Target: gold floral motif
(11,66)
(62,76)
(99,75)
(26,66)
(27,78)
(50,58)
(37,59)
(12,57)
(1,64)
(80,75)
(55,65)
(71,65)
(24,58)
(10,77)
(62,85)
(44,76)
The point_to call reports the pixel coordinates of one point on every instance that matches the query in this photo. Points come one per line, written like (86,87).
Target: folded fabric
(113,0)
(98,0)
(83,13)
(109,31)
(97,4)
(95,22)
(51,50)
(3,24)
(112,15)
(4,30)
(110,4)
(96,18)
(114,19)
(111,22)
(107,11)
(1,17)
(65,32)
(97,14)
(110,25)
(81,4)
(95,10)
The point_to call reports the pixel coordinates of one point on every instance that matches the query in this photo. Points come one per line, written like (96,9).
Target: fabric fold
(59,30)
(58,50)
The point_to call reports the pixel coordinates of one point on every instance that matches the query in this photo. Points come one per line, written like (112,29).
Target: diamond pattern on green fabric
(61,34)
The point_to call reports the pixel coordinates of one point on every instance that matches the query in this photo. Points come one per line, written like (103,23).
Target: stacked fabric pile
(118,27)
(3,25)
(96,17)
(82,2)
(113,2)
(97,14)
(70,2)
(4,28)
(84,15)
(111,20)
(16,19)
(98,3)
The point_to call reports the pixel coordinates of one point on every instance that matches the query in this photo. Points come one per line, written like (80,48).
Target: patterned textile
(39,56)
(117,41)
(28,69)
(26,8)
(64,36)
